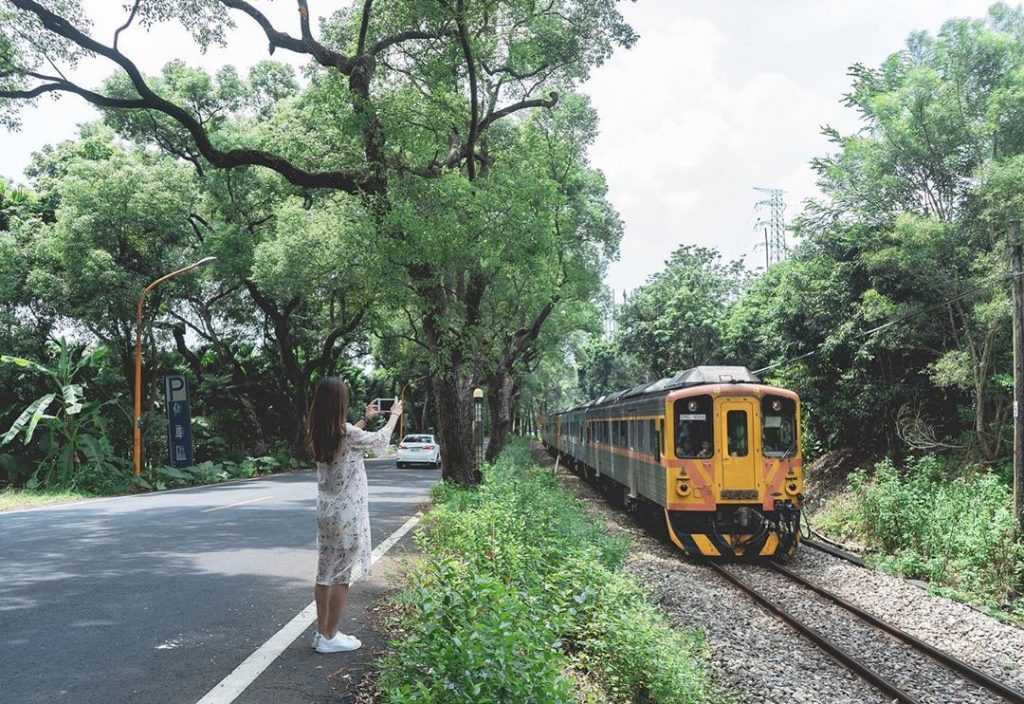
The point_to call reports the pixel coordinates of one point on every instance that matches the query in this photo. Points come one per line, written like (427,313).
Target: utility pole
(1017,269)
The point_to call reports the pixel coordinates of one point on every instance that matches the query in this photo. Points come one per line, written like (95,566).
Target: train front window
(736,426)
(778,426)
(694,419)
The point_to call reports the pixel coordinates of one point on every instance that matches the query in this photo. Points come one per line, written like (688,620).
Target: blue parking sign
(179,421)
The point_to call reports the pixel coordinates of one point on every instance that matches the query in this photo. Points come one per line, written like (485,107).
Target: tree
(907,220)
(416,91)
(672,322)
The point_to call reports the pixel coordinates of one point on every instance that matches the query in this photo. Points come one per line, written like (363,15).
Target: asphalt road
(156,598)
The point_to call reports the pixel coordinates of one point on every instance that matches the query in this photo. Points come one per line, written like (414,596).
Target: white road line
(229,688)
(237,503)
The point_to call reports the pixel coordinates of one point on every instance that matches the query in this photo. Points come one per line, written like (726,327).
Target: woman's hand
(371,412)
(396,408)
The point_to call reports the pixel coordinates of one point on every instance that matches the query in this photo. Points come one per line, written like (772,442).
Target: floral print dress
(342,507)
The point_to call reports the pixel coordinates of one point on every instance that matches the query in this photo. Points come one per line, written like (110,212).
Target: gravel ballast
(758,658)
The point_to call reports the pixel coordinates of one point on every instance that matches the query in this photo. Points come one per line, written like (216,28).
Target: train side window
(659,438)
(695,434)
(736,428)
(778,426)
(655,441)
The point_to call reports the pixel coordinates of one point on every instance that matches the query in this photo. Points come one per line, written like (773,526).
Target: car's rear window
(418,438)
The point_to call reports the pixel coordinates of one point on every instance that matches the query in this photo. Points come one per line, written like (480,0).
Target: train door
(739,465)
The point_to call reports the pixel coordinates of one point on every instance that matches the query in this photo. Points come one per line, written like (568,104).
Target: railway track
(861,666)
(834,551)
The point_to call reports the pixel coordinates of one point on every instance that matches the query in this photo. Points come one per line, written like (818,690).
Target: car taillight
(403,446)
(428,447)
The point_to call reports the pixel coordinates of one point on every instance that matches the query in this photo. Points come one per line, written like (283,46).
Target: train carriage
(712,448)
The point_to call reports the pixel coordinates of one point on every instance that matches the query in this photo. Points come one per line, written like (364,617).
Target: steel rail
(844,658)
(836,552)
(971,673)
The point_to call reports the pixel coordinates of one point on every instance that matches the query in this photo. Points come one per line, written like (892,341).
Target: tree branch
(474,107)
(350,182)
(128,22)
(61,86)
(283,40)
(408,35)
(364,26)
(516,107)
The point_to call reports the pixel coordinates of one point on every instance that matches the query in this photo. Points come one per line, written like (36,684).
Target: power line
(896,321)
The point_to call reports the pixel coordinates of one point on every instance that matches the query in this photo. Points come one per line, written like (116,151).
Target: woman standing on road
(342,510)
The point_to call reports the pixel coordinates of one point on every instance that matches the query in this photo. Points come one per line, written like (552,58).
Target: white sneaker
(340,643)
(316,639)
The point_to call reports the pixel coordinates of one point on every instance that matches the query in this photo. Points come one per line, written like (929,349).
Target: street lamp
(478,424)
(137,449)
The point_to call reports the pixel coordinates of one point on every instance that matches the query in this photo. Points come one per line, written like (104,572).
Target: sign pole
(179,421)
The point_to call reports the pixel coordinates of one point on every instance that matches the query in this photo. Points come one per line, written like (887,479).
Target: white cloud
(718,98)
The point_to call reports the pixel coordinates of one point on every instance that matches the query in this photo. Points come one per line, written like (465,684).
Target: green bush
(932,521)
(475,640)
(520,587)
(208,472)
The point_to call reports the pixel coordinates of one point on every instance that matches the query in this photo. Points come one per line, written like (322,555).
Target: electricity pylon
(774,226)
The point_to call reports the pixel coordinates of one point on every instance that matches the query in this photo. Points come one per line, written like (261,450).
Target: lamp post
(137,418)
(478,423)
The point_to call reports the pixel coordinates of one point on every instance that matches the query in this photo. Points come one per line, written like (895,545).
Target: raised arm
(364,440)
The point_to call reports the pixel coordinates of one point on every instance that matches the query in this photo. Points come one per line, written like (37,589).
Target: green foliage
(674,320)
(209,472)
(914,210)
(519,585)
(932,520)
(77,452)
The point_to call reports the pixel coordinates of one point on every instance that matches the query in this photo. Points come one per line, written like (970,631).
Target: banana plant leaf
(30,417)
(25,364)
(72,398)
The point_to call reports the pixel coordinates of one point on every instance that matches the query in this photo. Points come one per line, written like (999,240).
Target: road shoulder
(301,676)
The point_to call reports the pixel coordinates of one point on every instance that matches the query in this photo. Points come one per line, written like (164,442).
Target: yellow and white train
(712,447)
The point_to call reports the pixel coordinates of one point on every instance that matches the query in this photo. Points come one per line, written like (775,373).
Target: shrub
(952,528)
(519,587)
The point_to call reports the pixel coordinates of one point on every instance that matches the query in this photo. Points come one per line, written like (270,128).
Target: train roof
(695,376)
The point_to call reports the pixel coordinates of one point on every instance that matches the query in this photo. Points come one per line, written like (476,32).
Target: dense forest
(414,211)
(911,228)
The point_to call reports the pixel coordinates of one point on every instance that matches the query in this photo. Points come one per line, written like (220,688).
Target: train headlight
(683,486)
(791,488)
(692,406)
(776,405)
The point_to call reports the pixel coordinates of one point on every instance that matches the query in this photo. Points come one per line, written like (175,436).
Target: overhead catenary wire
(896,321)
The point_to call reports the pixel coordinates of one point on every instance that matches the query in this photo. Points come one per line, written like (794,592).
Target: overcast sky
(716,98)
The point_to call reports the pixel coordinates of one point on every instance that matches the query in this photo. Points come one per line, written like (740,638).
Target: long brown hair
(325,424)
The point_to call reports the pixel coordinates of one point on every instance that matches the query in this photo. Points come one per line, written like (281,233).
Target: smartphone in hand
(383,405)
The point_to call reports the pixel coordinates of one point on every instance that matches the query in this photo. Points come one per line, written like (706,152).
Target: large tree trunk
(500,390)
(453,400)
(425,417)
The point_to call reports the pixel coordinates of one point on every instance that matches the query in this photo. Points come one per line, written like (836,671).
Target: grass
(522,598)
(935,521)
(11,499)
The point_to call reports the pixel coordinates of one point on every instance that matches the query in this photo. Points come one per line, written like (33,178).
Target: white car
(419,449)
